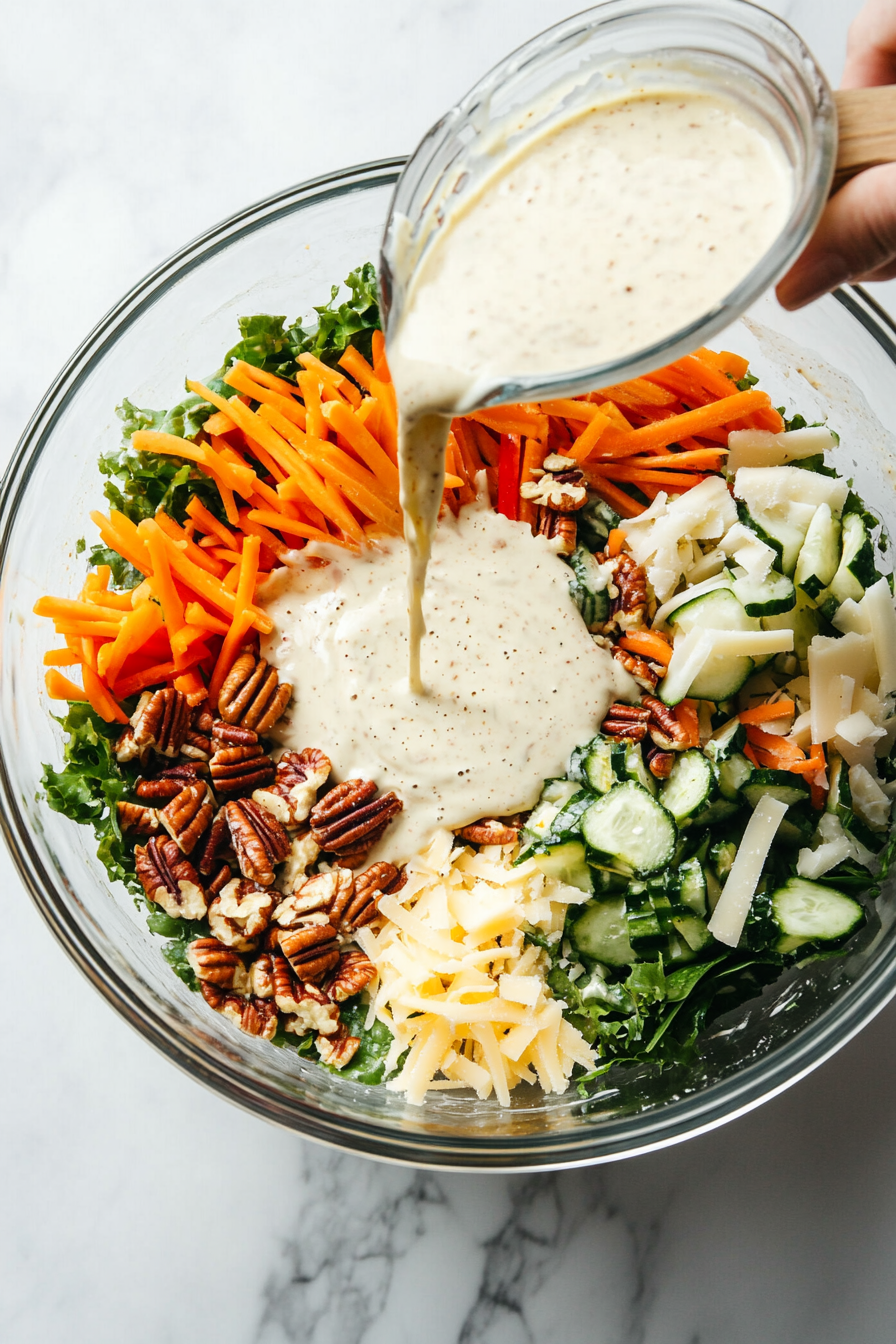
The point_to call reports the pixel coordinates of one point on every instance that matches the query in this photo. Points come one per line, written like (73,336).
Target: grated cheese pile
(457,985)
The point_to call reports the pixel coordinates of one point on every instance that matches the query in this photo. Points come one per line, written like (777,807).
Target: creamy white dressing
(514,680)
(600,238)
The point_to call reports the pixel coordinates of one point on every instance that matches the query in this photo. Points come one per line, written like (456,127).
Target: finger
(855,239)
(871,46)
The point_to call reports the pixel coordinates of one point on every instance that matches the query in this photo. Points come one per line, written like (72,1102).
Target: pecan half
(310,1008)
(258,839)
(630,604)
(260,981)
(252,694)
(217,883)
(353,972)
(257,1017)
(135,819)
(311,949)
(127,747)
(188,816)
(349,820)
(239,763)
(625,723)
(665,730)
(168,783)
(659,762)
(162,720)
(294,790)
(215,846)
(561,527)
(170,880)
(563,491)
(319,892)
(303,852)
(197,746)
(363,904)
(643,672)
(240,913)
(489,831)
(339,1049)
(218,965)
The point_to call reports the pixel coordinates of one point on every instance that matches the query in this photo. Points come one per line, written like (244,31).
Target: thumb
(855,240)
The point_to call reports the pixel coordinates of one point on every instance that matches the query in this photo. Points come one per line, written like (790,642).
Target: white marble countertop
(135,1205)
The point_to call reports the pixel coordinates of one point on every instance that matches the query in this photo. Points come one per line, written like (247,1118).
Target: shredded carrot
(617,499)
(61,658)
(60,688)
(587,441)
(133,633)
(520,420)
(356,365)
(149,676)
(331,377)
(88,629)
(197,615)
(638,392)
(686,714)
(209,524)
(665,480)
(344,420)
(814,764)
(242,618)
(781,709)
(776,752)
(648,644)
(708,459)
(615,541)
(241,377)
(751,756)
(664,432)
(177,533)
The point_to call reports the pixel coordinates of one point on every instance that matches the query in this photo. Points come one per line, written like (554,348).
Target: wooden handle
(867,130)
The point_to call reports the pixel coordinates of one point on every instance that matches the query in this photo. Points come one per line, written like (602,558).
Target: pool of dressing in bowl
(596,240)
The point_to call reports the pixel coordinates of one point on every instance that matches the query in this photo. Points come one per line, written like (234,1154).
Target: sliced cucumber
(689,786)
(600,763)
(726,741)
(634,768)
(631,827)
(856,570)
(555,794)
(588,587)
(770,597)
(722,856)
(693,930)
(782,501)
(567,864)
(601,932)
(814,913)
(785,538)
(781,784)
(718,610)
(720,809)
(804,620)
(692,892)
(734,773)
(820,553)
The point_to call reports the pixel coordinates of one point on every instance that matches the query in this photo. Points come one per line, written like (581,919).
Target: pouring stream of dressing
(598,239)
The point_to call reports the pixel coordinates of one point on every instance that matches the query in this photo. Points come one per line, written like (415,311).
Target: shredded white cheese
(457,984)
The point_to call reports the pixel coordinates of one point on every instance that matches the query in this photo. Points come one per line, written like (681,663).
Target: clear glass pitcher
(727,47)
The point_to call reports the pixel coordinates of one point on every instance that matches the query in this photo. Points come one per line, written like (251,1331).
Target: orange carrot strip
(208,523)
(751,756)
(252,529)
(689,422)
(356,365)
(183,639)
(615,541)
(153,441)
(705,374)
(734,365)
(264,379)
(378,353)
(87,629)
(586,442)
(242,617)
(60,658)
(65,608)
(151,676)
(638,392)
(776,751)
(219,423)
(569,409)
(534,453)
(60,688)
(523,420)
(98,580)
(617,499)
(100,698)
(344,420)
(813,765)
(707,458)
(686,714)
(781,709)
(162,582)
(240,377)
(331,377)
(135,630)
(664,480)
(177,533)
(196,614)
(268,518)
(211,590)
(251,424)
(315,424)
(341,470)
(305,484)
(647,644)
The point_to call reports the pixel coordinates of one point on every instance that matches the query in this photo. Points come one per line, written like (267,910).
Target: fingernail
(811,277)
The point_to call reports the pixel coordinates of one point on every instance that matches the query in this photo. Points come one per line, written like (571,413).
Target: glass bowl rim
(606,1140)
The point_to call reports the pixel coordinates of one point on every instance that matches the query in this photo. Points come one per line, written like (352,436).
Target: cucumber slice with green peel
(634,768)
(813,912)
(692,892)
(722,856)
(601,932)
(588,587)
(693,930)
(781,784)
(630,826)
(718,610)
(555,795)
(734,773)
(804,620)
(769,597)
(689,786)
(567,864)
(782,501)
(599,766)
(726,741)
(820,553)
(785,538)
(720,809)
(856,570)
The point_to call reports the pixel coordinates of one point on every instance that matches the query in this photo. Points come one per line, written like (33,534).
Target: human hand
(856,237)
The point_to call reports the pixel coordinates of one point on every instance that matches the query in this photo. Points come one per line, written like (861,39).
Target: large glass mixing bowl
(281,256)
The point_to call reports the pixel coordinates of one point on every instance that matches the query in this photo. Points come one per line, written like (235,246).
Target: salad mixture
(730,816)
